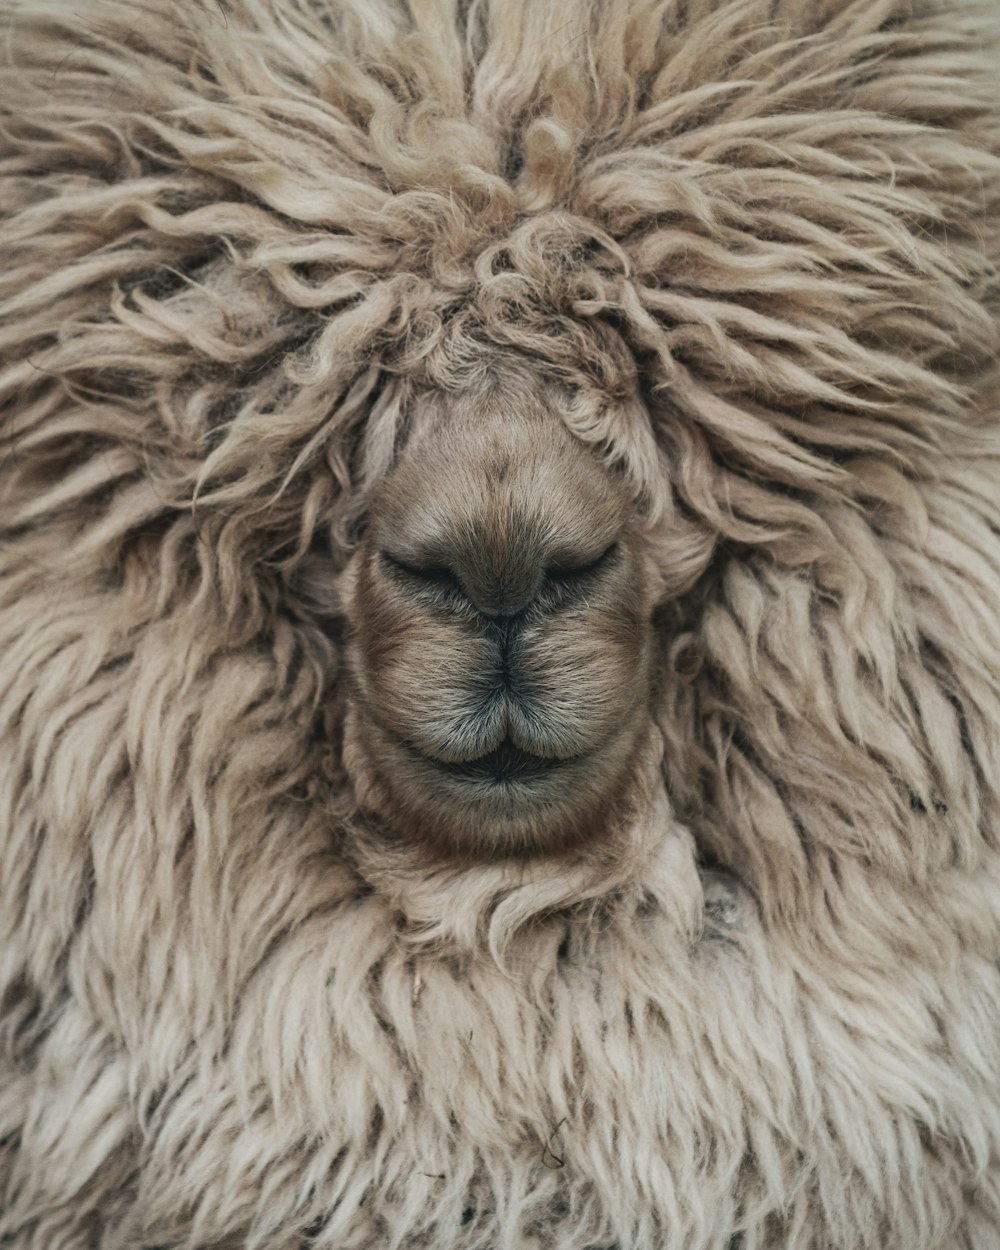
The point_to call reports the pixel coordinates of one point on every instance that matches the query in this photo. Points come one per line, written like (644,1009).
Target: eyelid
(428,573)
(580,570)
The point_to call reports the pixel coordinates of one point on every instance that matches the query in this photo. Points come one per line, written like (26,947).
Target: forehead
(512,401)
(502,449)
(510,424)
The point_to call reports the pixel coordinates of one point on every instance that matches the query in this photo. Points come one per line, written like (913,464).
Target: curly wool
(757,242)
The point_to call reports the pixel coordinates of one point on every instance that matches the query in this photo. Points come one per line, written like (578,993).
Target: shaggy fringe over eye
(755,242)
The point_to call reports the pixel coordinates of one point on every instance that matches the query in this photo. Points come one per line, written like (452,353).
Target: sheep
(499,648)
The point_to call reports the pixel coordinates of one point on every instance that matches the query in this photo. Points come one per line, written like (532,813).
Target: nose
(501,570)
(502,579)
(501,517)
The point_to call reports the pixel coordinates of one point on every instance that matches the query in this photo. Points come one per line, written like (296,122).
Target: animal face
(500,606)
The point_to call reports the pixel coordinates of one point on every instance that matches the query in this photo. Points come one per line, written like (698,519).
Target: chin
(507,802)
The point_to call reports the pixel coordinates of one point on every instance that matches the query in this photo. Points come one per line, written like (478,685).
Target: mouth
(504,765)
(506,800)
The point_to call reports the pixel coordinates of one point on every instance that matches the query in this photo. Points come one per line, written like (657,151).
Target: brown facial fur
(500,605)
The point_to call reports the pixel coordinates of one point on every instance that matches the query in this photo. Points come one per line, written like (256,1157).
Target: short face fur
(500,612)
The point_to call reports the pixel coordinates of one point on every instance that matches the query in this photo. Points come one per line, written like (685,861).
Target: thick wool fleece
(236,236)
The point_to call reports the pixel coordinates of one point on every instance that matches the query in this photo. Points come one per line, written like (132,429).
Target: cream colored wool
(237,236)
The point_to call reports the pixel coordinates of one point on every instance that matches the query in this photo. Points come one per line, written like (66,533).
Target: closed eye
(567,572)
(431,574)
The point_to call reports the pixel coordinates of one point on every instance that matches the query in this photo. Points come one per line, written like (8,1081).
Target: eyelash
(554,573)
(433,576)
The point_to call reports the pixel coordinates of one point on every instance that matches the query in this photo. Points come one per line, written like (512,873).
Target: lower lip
(500,768)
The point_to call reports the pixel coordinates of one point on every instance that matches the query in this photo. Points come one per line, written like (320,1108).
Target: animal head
(500,606)
(679,268)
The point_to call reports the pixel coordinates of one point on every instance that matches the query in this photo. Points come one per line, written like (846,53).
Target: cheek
(420,675)
(587,670)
